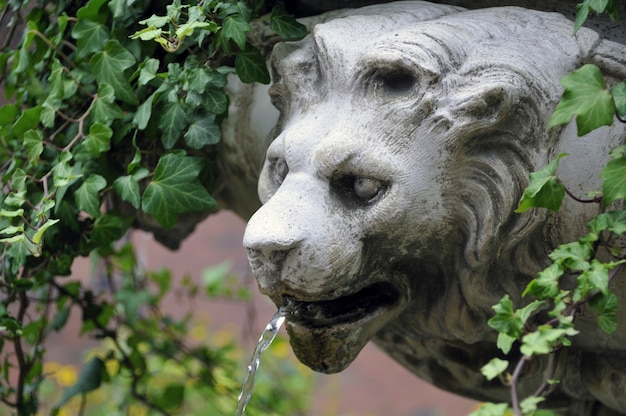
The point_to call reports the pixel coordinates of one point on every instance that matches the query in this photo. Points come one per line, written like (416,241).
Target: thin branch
(514,380)
(596,199)
(53,47)
(554,360)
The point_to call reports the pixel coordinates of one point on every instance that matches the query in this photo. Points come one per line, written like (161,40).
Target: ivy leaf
(175,189)
(172,397)
(250,66)
(108,67)
(529,405)
(33,143)
(98,140)
(574,256)
(36,238)
(87,195)
(90,378)
(587,98)
(614,221)
(614,175)
(596,277)
(186,29)
(144,112)
(127,187)
(215,101)
(546,285)
(619,98)
(599,6)
(148,71)
(544,339)
(29,119)
(203,131)
(104,109)
(492,409)
(173,121)
(605,305)
(109,228)
(494,368)
(285,25)
(154,20)
(235,27)
(506,321)
(544,190)
(90,37)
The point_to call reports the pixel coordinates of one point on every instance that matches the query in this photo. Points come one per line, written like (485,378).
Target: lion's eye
(359,189)
(278,171)
(366,188)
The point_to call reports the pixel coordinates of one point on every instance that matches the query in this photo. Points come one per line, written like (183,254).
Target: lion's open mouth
(350,308)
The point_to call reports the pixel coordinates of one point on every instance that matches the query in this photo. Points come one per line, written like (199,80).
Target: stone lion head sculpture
(406,136)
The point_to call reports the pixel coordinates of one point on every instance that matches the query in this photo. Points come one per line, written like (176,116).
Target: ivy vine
(586,98)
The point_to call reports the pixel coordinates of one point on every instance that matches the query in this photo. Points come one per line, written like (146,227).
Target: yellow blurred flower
(66,375)
(198,333)
(137,410)
(113,366)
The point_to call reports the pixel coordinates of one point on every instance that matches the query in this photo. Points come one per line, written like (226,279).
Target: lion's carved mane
(406,137)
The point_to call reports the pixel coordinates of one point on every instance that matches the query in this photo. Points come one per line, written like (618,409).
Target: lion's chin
(328,335)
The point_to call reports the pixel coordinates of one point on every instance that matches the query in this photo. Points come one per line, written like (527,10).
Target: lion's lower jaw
(330,349)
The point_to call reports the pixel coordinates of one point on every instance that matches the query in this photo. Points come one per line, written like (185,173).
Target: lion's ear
(485,103)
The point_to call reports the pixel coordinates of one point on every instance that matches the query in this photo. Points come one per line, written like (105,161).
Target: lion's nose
(268,243)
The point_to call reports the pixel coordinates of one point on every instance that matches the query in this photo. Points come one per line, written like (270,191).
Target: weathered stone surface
(406,135)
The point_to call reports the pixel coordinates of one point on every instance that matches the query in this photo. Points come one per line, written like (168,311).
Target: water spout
(268,335)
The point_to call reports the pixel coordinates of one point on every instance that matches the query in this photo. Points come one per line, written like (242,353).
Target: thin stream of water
(268,335)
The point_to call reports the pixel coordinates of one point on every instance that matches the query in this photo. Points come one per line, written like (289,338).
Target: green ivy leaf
(154,20)
(605,305)
(529,405)
(544,339)
(108,67)
(90,378)
(144,112)
(596,277)
(587,98)
(90,37)
(285,25)
(29,119)
(574,256)
(215,100)
(187,29)
(173,121)
(544,190)
(546,285)
(235,27)
(492,409)
(494,368)
(506,320)
(614,221)
(99,139)
(599,6)
(619,98)
(87,196)
(203,131)
(38,235)
(175,189)
(251,67)
(109,228)
(172,397)
(33,143)
(104,110)
(127,187)
(148,71)
(614,176)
